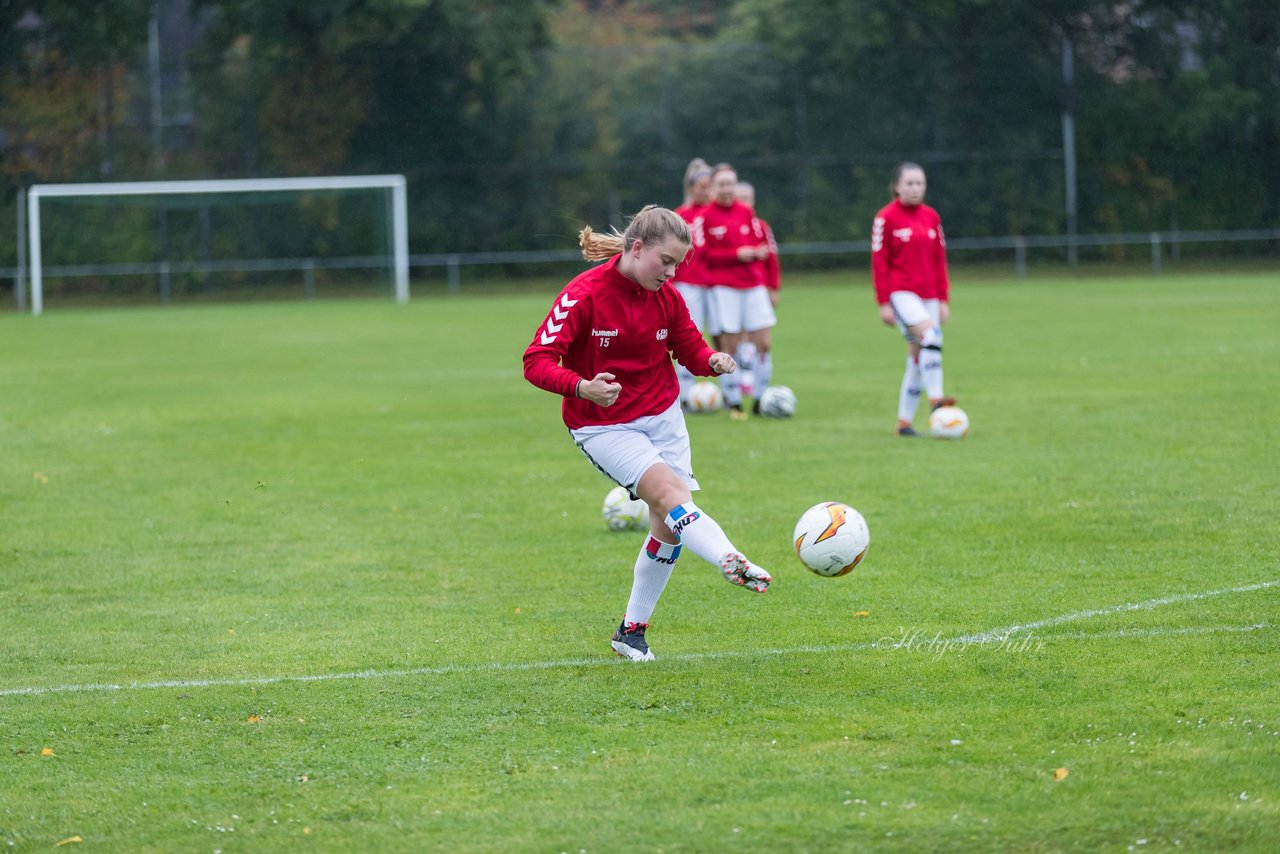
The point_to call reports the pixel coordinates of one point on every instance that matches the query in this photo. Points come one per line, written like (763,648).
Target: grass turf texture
(227,498)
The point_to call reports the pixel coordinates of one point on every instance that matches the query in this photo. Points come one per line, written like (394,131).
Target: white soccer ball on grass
(705,396)
(778,401)
(622,512)
(948,422)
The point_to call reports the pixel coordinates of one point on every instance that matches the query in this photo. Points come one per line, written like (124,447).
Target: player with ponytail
(606,348)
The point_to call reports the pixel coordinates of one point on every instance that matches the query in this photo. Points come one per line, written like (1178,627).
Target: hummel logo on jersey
(718,231)
(604,333)
(903,234)
(662,334)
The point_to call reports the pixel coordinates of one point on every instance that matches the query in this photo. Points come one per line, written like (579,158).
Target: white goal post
(394,183)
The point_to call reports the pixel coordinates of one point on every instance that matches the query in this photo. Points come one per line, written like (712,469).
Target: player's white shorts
(741,309)
(624,452)
(696,297)
(909,309)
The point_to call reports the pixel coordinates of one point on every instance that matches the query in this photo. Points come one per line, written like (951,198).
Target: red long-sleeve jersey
(772,269)
(692,270)
(909,252)
(602,321)
(726,228)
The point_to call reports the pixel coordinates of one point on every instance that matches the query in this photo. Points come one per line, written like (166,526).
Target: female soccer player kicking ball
(606,348)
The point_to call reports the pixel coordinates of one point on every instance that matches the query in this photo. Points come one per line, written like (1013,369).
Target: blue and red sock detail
(660,551)
(681,517)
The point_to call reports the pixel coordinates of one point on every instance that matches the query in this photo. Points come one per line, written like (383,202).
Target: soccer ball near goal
(705,396)
(778,401)
(621,511)
(948,422)
(831,538)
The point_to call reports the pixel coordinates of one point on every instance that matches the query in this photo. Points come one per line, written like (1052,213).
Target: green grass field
(332,576)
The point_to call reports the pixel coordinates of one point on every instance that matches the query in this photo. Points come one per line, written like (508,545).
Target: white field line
(1005,631)
(1155,633)
(992,636)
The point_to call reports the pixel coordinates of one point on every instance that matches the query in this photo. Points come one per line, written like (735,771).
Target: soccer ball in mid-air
(705,396)
(778,401)
(621,511)
(831,538)
(948,422)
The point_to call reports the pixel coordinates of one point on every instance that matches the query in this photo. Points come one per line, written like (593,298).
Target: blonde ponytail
(599,247)
(650,226)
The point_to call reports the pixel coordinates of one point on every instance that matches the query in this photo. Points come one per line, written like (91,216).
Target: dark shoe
(941,402)
(628,641)
(907,431)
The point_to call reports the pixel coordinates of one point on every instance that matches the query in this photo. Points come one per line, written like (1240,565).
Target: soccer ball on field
(778,401)
(831,538)
(948,422)
(705,396)
(621,511)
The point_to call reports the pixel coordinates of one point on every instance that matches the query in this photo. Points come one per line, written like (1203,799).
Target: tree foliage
(518,122)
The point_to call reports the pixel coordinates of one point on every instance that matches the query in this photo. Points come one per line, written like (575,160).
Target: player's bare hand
(886,315)
(944,312)
(600,390)
(723,363)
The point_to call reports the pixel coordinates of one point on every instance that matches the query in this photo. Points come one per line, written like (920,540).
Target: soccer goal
(162,232)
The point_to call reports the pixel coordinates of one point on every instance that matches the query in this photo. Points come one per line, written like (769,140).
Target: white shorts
(736,310)
(910,310)
(696,298)
(624,452)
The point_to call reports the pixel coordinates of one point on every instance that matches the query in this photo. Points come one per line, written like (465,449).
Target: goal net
(193,239)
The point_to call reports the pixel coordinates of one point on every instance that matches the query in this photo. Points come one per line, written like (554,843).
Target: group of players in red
(730,278)
(608,343)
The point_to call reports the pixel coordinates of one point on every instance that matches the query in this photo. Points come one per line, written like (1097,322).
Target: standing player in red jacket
(690,277)
(741,305)
(909,269)
(750,360)
(606,348)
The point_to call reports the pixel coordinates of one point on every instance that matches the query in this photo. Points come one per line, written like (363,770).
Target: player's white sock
(731,388)
(653,569)
(687,379)
(746,373)
(764,372)
(931,373)
(931,362)
(699,532)
(909,394)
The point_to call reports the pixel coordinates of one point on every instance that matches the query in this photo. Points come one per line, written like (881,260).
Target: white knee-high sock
(931,372)
(731,388)
(699,532)
(909,394)
(654,566)
(764,371)
(687,379)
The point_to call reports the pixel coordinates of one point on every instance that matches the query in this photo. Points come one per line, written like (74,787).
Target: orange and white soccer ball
(948,422)
(831,538)
(705,396)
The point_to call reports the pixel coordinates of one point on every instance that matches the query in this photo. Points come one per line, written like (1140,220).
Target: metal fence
(1160,243)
